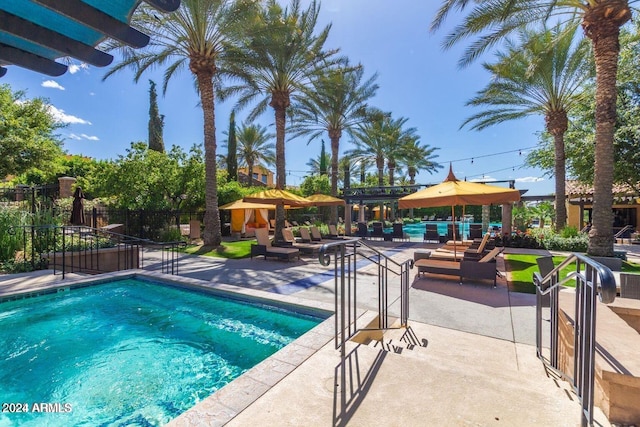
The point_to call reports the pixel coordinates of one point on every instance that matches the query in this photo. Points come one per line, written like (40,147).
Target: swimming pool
(130,352)
(417,230)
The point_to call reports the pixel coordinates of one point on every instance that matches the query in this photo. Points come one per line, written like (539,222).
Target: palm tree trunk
(606,50)
(335,145)
(560,174)
(280,102)
(211,235)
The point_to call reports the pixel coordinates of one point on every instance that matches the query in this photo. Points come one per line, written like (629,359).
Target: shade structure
(241,204)
(34,33)
(325,200)
(453,192)
(277,197)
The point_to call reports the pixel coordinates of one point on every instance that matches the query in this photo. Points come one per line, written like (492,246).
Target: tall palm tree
(254,147)
(194,36)
(418,158)
(335,102)
(280,56)
(542,74)
(601,22)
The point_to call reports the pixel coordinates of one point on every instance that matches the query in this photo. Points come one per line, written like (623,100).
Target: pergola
(34,33)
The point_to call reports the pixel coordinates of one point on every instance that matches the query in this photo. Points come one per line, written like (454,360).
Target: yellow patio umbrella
(241,204)
(325,200)
(452,192)
(277,197)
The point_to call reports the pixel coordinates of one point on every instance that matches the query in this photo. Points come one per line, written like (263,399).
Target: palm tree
(280,56)
(601,21)
(335,102)
(543,74)
(315,165)
(254,148)
(418,158)
(194,36)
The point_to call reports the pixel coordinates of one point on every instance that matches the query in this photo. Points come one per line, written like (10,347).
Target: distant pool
(130,352)
(417,230)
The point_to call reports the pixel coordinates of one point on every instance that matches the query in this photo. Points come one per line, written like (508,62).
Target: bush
(577,243)
(569,231)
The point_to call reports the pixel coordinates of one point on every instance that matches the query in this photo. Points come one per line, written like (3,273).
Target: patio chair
(363,230)
(431,233)
(450,231)
(475,231)
(482,269)
(305,248)
(377,230)
(264,247)
(316,236)
(629,285)
(398,232)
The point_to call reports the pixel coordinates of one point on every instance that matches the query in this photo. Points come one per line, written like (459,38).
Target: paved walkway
(474,362)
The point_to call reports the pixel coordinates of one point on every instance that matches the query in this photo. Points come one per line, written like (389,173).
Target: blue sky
(417,80)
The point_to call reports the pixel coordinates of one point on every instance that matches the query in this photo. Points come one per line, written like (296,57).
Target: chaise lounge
(485,268)
(305,248)
(264,247)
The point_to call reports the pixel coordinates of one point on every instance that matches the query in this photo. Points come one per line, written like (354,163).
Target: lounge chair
(264,247)
(316,236)
(305,248)
(485,268)
(333,232)
(450,231)
(431,233)
(305,235)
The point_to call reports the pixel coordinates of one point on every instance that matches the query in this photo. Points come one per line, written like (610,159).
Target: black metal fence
(34,197)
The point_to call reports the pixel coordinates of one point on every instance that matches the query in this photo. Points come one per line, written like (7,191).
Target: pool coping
(222,406)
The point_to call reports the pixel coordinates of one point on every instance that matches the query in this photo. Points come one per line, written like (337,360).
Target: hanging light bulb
(472,160)
(520,152)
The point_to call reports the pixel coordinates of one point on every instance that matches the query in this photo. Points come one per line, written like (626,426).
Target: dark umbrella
(77,213)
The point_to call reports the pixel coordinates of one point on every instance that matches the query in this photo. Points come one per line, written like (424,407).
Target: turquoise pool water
(417,230)
(129,352)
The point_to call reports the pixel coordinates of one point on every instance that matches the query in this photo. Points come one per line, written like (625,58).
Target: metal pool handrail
(596,281)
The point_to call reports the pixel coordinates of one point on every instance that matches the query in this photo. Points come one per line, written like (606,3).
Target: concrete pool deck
(478,367)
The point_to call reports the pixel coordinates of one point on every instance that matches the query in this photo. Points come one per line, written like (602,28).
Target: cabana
(246,217)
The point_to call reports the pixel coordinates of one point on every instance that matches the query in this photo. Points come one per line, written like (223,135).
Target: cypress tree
(156,121)
(232,145)
(323,160)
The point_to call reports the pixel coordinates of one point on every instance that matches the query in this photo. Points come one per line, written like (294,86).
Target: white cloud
(90,138)
(530,179)
(83,136)
(52,84)
(483,179)
(62,117)
(74,68)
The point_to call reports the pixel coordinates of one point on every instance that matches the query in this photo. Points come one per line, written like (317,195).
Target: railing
(624,232)
(80,249)
(346,255)
(596,281)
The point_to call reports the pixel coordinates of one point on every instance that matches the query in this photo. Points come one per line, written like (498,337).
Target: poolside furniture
(305,248)
(475,231)
(363,230)
(477,251)
(333,232)
(398,232)
(377,230)
(629,285)
(305,236)
(316,236)
(421,254)
(483,269)
(265,248)
(450,231)
(431,233)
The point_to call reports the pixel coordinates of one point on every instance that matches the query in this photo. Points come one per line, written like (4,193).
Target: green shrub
(171,234)
(569,231)
(569,244)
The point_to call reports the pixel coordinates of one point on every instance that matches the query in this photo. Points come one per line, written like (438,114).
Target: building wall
(261,174)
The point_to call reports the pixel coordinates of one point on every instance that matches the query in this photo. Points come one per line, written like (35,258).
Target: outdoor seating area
(478,269)
(266,249)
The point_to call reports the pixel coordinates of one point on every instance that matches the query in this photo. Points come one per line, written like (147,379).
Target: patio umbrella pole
(453,218)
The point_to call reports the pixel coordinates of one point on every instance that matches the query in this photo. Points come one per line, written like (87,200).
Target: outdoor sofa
(482,269)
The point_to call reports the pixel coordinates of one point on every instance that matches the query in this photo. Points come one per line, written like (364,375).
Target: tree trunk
(334,135)
(557,124)
(603,28)
(211,235)
(280,102)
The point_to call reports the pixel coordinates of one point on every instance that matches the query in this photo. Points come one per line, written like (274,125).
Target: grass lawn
(523,266)
(231,250)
